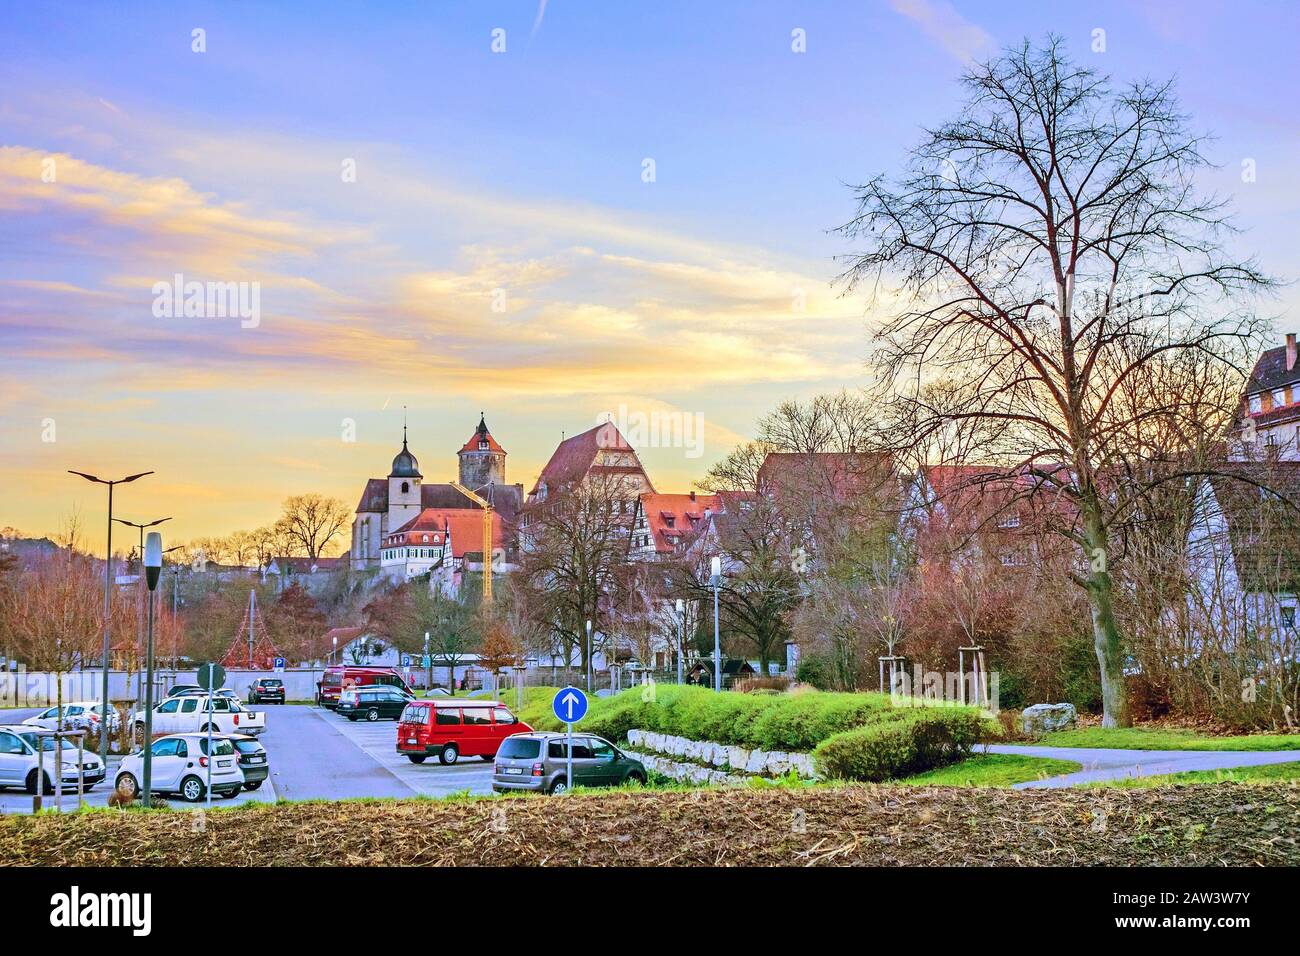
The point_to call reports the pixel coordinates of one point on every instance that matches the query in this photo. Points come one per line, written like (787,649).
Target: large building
(1270,414)
(389,504)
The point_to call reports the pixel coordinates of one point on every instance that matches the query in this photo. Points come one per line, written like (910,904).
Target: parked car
(226,692)
(452,727)
(192,713)
(181,764)
(252,760)
(373,702)
(539,762)
(74,713)
(335,678)
(266,689)
(178,689)
(20,760)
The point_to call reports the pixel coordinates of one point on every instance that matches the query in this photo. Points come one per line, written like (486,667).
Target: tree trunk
(1105,629)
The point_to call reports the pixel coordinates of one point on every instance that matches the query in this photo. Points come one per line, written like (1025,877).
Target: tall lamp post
(716,581)
(152,568)
(108,592)
(140,527)
(681,616)
(590,650)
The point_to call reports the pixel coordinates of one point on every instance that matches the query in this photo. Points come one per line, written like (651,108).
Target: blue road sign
(426,660)
(570,705)
(406,660)
(279,664)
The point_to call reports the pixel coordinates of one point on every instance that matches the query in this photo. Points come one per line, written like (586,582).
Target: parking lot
(313,754)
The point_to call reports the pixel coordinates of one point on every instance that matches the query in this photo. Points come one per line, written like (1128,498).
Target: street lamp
(681,613)
(153,553)
(716,580)
(589,652)
(334,653)
(132,524)
(108,590)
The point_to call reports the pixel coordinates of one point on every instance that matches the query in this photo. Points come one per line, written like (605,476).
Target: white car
(19,760)
(75,713)
(191,713)
(181,764)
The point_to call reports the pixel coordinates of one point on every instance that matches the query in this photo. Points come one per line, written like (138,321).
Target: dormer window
(482,444)
(1256,405)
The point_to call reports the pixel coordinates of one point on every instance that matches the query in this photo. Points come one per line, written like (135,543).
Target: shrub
(917,741)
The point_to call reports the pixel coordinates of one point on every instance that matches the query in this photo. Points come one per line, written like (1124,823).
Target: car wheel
(487,758)
(127,786)
(31,784)
(635,777)
(254,785)
(416,758)
(229,794)
(192,789)
(139,734)
(372,714)
(352,717)
(560,786)
(449,755)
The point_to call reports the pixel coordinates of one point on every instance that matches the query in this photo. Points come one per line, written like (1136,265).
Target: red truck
(336,678)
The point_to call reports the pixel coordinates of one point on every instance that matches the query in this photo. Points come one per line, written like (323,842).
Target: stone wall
(754,763)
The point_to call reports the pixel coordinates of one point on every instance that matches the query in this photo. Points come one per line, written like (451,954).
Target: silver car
(538,762)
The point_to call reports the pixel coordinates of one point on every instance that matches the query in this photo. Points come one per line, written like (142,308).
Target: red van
(335,678)
(452,727)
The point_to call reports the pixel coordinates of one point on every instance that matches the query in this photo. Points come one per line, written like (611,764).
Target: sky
(549,212)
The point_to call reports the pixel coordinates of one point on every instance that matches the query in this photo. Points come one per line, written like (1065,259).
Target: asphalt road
(314,755)
(1109,764)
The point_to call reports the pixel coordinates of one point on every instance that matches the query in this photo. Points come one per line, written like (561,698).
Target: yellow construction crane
(487,537)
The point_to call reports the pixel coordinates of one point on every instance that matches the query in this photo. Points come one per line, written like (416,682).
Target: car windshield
(519,748)
(45,743)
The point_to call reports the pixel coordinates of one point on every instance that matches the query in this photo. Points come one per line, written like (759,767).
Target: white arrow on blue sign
(570,705)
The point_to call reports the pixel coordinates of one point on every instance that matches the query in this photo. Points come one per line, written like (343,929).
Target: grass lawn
(1269,773)
(991,770)
(1143,738)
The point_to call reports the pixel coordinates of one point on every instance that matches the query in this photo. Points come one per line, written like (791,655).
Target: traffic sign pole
(569,707)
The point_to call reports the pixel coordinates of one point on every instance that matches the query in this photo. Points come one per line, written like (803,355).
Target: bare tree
(312,521)
(1053,252)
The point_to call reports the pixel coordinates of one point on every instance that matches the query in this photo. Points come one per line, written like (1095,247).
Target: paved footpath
(1109,764)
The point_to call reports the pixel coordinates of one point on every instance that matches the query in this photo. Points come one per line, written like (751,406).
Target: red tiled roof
(482,434)
(574,458)
(659,508)
(466,528)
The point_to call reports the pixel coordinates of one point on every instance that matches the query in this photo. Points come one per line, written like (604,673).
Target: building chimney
(1290,351)
(692,496)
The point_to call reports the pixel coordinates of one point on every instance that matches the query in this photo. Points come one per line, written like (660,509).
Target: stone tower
(482,460)
(403,488)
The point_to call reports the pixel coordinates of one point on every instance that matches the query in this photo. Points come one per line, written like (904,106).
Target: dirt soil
(1222,824)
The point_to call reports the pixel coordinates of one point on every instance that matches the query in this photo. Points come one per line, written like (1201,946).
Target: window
(1288,617)
(181,749)
(406,487)
(447,716)
(189,705)
(220,747)
(555,749)
(477,715)
(1009,521)
(601,750)
(583,749)
(415,714)
(166,747)
(504,716)
(519,748)
(169,707)
(10,744)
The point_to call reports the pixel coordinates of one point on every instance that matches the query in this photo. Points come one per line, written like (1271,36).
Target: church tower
(482,460)
(403,488)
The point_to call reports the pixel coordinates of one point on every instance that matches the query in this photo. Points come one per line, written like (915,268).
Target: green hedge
(852,736)
(919,740)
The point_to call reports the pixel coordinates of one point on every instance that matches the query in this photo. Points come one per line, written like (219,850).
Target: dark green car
(373,702)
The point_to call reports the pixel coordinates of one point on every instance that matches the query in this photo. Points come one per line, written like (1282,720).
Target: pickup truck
(191,714)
